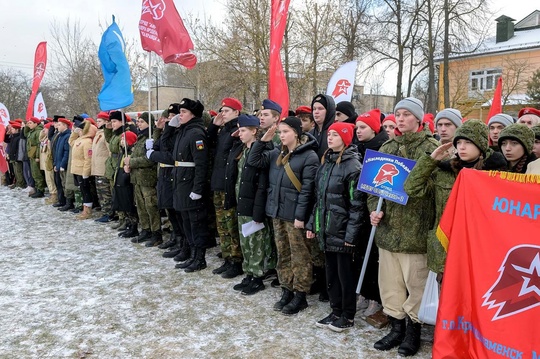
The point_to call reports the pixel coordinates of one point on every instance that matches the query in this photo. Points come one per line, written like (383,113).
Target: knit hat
(501,118)
(231,102)
(103,115)
(174,108)
(451,114)
(165,113)
(194,106)
(248,120)
(413,105)
(115,115)
(130,137)
(346,108)
(536,130)
(390,117)
(372,119)
(475,131)
(528,111)
(294,123)
(268,104)
(302,110)
(428,119)
(34,120)
(345,130)
(144,116)
(520,133)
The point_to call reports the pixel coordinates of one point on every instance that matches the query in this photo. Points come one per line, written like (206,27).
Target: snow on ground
(73,289)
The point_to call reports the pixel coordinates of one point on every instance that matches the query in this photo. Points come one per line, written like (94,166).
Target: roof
(515,99)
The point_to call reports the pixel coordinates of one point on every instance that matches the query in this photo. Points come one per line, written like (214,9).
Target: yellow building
(514,54)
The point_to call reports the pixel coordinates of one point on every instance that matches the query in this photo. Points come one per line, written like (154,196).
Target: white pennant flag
(4,114)
(341,84)
(39,107)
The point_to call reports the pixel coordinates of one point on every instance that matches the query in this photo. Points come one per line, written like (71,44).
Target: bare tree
(14,92)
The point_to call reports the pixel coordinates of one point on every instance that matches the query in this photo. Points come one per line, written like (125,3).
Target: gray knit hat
(451,114)
(520,133)
(536,130)
(413,105)
(475,131)
(501,118)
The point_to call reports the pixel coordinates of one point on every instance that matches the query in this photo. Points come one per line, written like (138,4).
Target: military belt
(165,165)
(184,164)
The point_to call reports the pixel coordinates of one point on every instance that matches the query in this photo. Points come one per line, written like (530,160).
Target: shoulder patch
(199,144)
(90,153)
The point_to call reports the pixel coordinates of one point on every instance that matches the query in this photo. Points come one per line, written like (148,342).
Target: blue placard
(383,175)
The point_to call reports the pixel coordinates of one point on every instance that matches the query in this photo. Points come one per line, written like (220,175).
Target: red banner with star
(490,297)
(40,64)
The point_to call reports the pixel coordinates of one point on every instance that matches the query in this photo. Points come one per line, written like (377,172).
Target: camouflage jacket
(113,138)
(32,141)
(404,229)
(143,171)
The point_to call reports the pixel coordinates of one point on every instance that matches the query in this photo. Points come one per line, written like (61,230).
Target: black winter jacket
(165,178)
(252,192)
(13,146)
(329,119)
(221,141)
(283,199)
(374,144)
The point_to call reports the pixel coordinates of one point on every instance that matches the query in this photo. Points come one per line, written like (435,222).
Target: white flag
(4,114)
(39,107)
(341,84)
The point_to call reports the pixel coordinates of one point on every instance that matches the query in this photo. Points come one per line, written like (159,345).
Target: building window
(484,80)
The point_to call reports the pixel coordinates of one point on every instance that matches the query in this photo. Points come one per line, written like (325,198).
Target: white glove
(175,121)
(195,196)
(61,169)
(149,153)
(150,144)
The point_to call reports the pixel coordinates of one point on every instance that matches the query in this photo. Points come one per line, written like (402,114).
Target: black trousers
(59,188)
(195,225)
(86,188)
(341,279)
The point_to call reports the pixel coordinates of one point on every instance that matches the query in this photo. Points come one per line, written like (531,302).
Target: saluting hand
(218,120)
(269,135)
(442,152)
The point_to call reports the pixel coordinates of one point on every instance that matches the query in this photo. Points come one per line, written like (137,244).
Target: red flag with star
(490,297)
(40,64)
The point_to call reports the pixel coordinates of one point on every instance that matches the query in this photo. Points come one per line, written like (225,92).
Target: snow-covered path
(73,289)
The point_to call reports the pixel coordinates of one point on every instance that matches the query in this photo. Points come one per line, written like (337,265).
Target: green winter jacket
(404,229)
(143,171)
(113,138)
(32,141)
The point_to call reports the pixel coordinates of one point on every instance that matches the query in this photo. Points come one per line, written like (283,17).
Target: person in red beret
(46,163)
(304,114)
(31,132)
(100,154)
(14,155)
(389,124)
(338,219)
(529,116)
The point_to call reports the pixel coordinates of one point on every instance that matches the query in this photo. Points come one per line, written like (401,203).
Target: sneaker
(244,283)
(341,324)
(372,308)
(255,286)
(323,323)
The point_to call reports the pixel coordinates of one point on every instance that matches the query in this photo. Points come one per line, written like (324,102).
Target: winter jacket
(123,198)
(32,141)
(221,141)
(45,156)
(283,199)
(22,154)
(81,147)
(61,150)
(340,210)
(143,171)
(250,200)
(404,228)
(436,179)
(13,148)
(113,139)
(374,144)
(100,153)
(320,135)
(533,168)
(165,178)
(189,146)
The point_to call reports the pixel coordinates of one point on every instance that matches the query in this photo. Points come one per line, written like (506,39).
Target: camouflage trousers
(227,227)
(19,177)
(256,248)
(37,175)
(147,209)
(317,255)
(103,189)
(294,266)
(271,259)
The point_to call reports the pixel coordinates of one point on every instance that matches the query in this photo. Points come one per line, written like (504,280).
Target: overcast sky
(27,22)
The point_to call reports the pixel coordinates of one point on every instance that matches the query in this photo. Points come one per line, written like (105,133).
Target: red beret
(47,125)
(14,124)
(91,120)
(302,109)
(372,119)
(390,117)
(212,113)
(66,121)
(18,120)
(128,119)
(528,111)
(49,119)
(34,120)
(130,137)
(104,115)
(345,130)
(232,103)
(428,118)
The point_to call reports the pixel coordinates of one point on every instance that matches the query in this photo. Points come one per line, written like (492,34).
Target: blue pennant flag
(116,91)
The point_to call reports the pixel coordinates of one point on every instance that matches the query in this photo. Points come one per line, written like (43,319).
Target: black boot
(143,237)
(222,268)
(170,243)
(395,337)
(234,270)
(130,232)
(185,252)
(199,262)
(69,205)
(255,286)
(286,297)
(411,343)
(155,240)
(38,194)
(187,262)
(59,204)
(171,252)
(297,304)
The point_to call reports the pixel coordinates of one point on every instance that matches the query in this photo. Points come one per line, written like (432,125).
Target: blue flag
(116,91)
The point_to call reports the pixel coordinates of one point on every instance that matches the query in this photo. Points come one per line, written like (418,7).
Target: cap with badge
(248,121)
(268,104)
(233,103)
(174,108)
(194,106)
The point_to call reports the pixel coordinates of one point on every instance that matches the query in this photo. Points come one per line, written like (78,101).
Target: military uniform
(32,147)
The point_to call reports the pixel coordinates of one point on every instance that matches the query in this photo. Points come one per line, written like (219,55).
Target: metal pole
(157,89)
(149,80)
(368,250)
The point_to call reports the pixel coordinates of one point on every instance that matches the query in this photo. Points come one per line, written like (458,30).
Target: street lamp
(155,68)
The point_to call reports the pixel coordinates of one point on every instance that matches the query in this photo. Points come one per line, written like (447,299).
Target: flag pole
(149,97)
(368,249)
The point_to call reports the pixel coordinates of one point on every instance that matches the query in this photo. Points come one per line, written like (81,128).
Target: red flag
(3,163)
(40,63)
(496,103)
(278,89)
(162,31)
(490,298)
